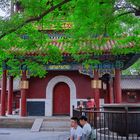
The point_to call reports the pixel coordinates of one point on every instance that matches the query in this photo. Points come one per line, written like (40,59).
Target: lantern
(96,84)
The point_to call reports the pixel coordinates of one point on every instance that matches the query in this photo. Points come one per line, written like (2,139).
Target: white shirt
(86,131)
(75,133)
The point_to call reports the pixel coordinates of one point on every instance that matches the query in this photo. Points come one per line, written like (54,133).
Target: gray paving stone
(26,134)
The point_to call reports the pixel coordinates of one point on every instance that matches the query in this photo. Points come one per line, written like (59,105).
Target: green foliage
(93,23)
(134,69)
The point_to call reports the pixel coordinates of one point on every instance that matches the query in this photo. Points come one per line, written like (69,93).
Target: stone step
(57,119)
(37,125)
(58,129)
(16,122)
(56,124)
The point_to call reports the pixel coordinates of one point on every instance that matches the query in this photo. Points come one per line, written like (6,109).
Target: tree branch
(129,12)
(120,8)
(35,18)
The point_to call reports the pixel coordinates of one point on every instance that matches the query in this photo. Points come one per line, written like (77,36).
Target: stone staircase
(58,124)
(36,125)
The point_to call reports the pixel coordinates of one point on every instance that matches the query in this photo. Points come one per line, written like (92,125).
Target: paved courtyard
(26,134)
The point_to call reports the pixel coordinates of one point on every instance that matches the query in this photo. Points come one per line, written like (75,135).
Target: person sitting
(76,131)
(86,127)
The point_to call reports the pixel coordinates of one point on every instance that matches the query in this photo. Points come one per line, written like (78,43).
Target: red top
(90,103)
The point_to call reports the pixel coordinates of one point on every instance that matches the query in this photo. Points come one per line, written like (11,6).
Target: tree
(134,69)
(90,20)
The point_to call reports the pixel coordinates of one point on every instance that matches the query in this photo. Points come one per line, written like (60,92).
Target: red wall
(37,86)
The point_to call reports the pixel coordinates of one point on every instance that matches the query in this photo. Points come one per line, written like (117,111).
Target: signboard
(59,67)
(104,67)
(63,67)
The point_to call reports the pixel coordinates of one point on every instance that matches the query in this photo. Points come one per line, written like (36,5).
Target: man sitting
(76,131)
(86,127)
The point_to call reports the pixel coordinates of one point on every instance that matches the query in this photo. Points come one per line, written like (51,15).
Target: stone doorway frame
(49,93)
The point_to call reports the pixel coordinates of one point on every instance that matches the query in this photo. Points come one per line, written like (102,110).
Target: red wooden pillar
(10,95)
(117,86)
(107,99)
(110,90)
(106,92)
(24,90)
(96,90)
(3,93)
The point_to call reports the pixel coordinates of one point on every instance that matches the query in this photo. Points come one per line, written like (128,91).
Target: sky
(2,13)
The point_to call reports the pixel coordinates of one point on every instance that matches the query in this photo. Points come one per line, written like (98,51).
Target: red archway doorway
(61,99)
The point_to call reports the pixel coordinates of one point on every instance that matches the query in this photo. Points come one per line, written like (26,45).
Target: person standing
(81,107)
(76,131)
(90,105)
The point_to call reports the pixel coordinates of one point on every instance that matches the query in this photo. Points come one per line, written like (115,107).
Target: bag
(92,135)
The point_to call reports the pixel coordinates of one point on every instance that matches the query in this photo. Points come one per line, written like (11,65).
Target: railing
(112,125)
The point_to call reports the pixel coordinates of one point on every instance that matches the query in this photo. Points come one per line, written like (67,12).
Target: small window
(132,97)
(84,103)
